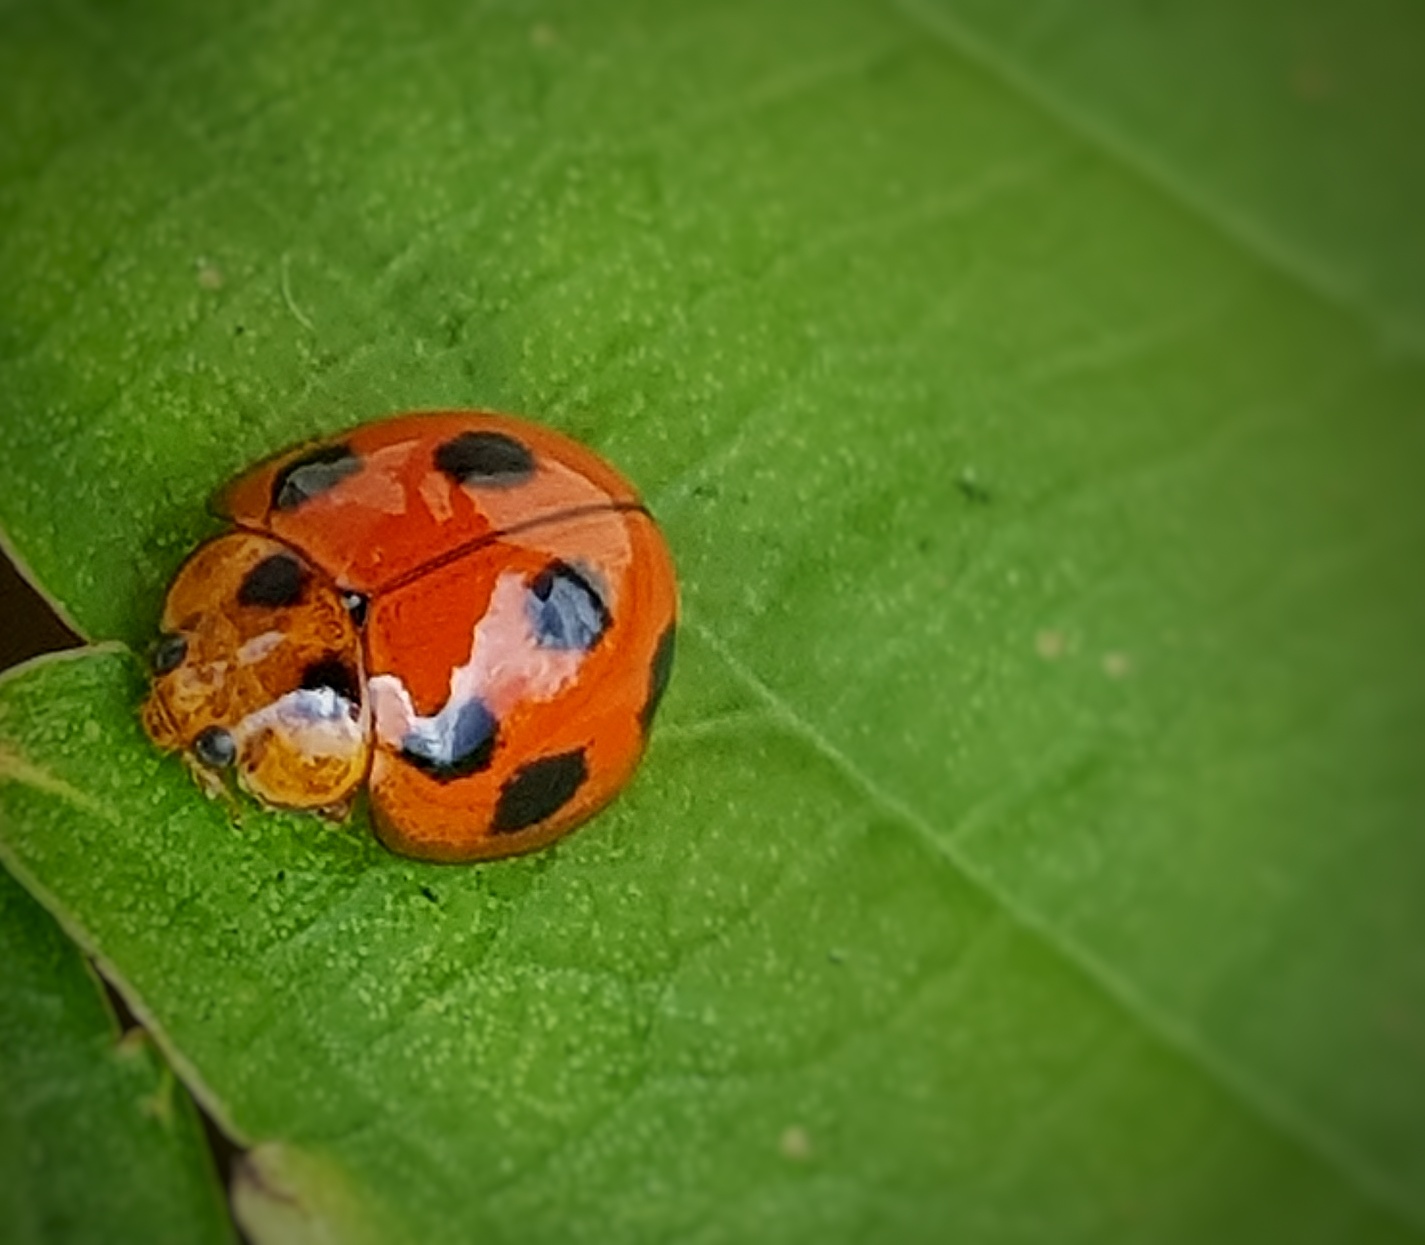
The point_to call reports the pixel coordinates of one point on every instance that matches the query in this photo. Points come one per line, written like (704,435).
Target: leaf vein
(1235,1082)
(1320,280)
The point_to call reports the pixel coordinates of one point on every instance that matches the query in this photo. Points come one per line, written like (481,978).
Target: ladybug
(467,615)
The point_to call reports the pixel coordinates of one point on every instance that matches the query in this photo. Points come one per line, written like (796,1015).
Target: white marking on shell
(315,720)
(258,647)
(505,668)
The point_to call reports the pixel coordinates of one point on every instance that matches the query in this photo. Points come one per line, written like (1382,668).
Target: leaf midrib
(1256,1098)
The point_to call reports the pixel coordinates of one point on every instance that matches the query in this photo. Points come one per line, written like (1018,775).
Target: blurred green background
(1030,848)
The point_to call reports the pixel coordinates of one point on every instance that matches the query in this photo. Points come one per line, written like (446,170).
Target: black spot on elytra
(454,745)
(488,459)
(429,894)
(659,673)
(538,791)
(334,673)
(168,653)
(273,582)
(565,611)
(355,604)
(215,747)
(313,473)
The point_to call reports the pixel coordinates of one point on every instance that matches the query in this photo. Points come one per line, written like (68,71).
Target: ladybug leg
(338,812)
(215,784)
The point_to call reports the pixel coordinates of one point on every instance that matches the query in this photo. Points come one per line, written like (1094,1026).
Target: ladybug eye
(168,653)
(215,748)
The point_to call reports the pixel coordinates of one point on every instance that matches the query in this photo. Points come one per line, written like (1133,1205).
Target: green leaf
(97,1140)
(1292,125)
(1029,850)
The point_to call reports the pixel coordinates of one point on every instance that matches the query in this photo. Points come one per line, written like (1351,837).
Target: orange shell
(394,515)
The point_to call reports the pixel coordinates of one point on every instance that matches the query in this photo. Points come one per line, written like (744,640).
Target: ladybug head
(257,673)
